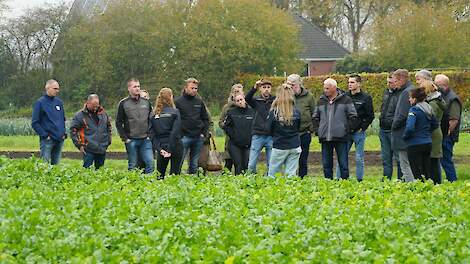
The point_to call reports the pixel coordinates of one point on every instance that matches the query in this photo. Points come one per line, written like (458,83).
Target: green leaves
(65,213)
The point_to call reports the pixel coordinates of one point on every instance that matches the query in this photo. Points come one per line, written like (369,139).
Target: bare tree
(30,38)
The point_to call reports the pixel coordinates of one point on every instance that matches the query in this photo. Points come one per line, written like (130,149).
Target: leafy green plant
(69,214)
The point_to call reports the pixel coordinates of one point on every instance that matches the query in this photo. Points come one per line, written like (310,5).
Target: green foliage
(372,83)
(211,40)
(68,214)
(357,62)
(421,36)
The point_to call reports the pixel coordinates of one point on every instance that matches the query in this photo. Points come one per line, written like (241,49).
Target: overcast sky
(17,7)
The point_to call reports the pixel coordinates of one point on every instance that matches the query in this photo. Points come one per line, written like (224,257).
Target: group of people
(418,127)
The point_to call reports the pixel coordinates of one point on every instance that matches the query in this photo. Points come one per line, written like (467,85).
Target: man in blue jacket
(49,123)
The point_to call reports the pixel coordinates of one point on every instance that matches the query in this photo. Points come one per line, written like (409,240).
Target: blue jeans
(388,155)
(287,157)
(359,139)
(192,145)
(447,161)
(327,148)
(50,150)
(305,140)
(142,147)
(90,158)
(257,144)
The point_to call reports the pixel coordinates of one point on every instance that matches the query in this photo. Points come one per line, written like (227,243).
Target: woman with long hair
(284,123)
(234,91)
(438,105)
(166,125)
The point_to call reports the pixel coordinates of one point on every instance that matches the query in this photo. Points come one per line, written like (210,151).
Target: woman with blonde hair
(166,126)
(284,124)
(236,89)
(438,105)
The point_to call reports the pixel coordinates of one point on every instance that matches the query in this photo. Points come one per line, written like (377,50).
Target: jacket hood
(303,92)
(426,108)
(438,97)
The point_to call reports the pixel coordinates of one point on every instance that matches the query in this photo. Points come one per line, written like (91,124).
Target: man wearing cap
(305,103)
(261,132)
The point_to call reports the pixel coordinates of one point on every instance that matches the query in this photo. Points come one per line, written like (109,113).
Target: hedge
(372,83)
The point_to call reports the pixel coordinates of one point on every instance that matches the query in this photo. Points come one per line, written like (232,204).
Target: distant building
(319,52)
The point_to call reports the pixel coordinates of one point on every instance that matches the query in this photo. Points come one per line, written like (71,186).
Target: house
(319,51)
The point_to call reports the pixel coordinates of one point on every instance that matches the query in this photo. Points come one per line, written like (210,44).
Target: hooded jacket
(91,130)
(262,106)
(438,106)
(334,121)
(419,125)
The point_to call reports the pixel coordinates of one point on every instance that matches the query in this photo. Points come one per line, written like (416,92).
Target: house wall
(320,67)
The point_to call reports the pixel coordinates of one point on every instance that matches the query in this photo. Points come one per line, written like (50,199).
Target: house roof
(317,45)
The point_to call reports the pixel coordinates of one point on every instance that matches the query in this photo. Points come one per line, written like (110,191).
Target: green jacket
(305,103)
(438,106)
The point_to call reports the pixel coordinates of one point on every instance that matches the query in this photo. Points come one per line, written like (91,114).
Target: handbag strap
(213,143)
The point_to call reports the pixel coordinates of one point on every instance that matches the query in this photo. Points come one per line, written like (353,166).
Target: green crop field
(69,214)
(31,143)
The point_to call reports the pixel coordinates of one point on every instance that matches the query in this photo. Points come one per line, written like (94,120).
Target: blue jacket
(285,136)
(49,118)
(419,125)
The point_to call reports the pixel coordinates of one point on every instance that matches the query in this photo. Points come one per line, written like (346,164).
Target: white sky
(17,7)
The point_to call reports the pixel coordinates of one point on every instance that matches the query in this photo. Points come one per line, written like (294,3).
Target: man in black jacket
(450,125)
(133,126)
(91,132)
(194,123)
(261,133)
(389,104)
(365,115)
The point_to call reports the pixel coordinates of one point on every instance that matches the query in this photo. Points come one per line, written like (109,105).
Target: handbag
(215,159)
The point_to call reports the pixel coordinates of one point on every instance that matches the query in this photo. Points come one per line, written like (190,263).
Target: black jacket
(194,116)
(364,109)
(450,97)
(238,124)
(166,129)
(91,131)
(132,120)
(262,107)
(285,136)
(389,104)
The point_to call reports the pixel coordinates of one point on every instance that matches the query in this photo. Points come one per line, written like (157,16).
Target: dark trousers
(229,164)
(305,140)
(436,170)
(388,156)
(327,148)
(90,158)
(447,160)
(419,157)
(174,159)
(239,157)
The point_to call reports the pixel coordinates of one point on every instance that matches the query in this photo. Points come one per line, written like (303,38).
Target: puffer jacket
(334,121)
(91,130)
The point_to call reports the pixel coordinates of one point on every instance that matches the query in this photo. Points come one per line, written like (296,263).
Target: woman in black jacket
(238,124)
(166,127)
